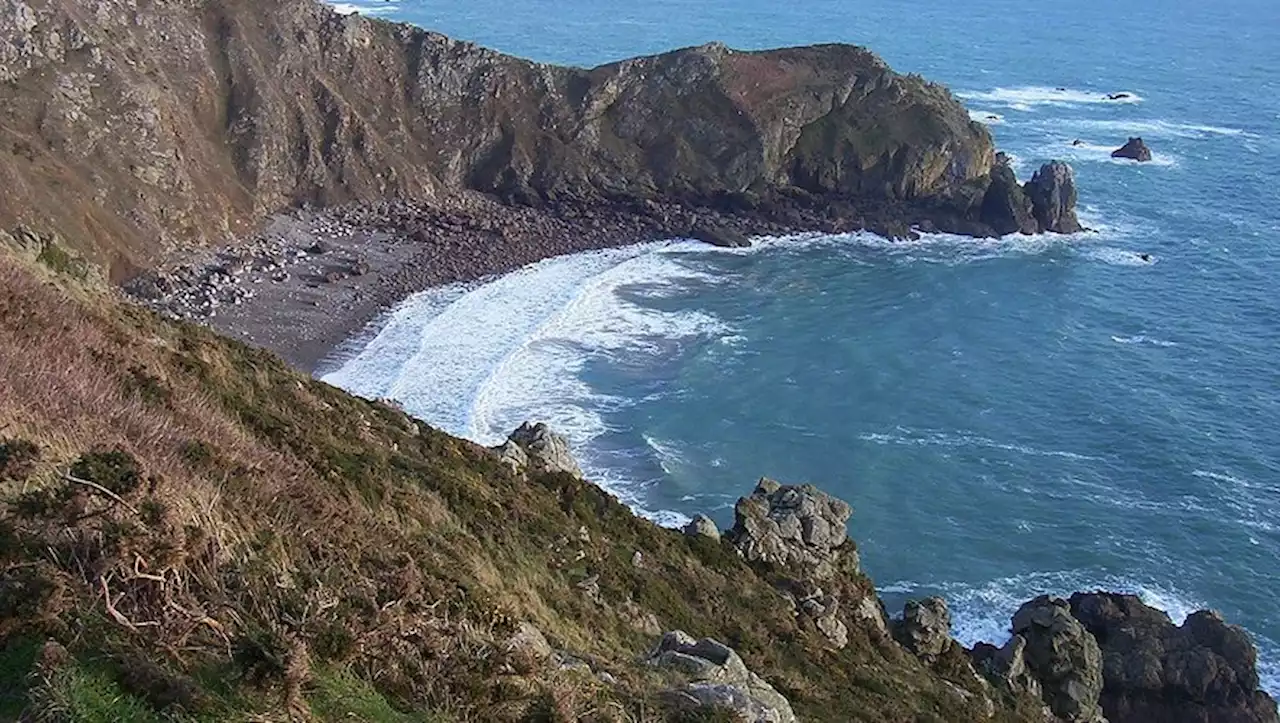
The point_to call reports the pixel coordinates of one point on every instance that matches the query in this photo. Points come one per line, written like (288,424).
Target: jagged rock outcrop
(537,445)
(1053,195)
(704,526)
(1005,206)
(800,532)
(925,628)
(719,679)
(1007,667)
(1154,671)
(139,126)
(799,528)
(1135,149)
(1063,657)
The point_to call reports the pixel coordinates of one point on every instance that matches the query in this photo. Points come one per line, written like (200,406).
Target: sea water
(1008,417)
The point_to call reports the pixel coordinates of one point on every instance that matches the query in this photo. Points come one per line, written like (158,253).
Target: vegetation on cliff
(189,529)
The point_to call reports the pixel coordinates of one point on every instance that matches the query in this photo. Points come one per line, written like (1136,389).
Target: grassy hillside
(189,530)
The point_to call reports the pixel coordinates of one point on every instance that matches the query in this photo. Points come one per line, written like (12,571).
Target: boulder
(704,526)
(1052,192)
(1064,657)
(718,234)
(718,678)
(798,528)
(1134,148)
(925,628)
(1005,206)
(1204,671)
(538,446)
(1007,666)
(527,649)
(800,531)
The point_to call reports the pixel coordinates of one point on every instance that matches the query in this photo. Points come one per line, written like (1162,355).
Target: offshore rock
(1135,149)
(1064,657)
(1154,671)
(538,446)
(718,679)
(1052,192)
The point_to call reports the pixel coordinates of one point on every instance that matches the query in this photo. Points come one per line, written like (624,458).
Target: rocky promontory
(135,129)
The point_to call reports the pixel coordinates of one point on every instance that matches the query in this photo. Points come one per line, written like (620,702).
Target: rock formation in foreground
(1134,149)
(537,445)
(1106,656)
(1204,671)
(134,127)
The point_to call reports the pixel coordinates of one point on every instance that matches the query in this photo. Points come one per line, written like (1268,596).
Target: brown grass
(247,524)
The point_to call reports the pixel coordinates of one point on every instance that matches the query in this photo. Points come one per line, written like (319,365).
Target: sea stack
(1135,149)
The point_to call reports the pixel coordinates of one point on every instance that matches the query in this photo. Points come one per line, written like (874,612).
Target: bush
(17,459)
(116,470)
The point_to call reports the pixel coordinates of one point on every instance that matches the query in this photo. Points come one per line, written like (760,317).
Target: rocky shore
(1097,657)
(312,279)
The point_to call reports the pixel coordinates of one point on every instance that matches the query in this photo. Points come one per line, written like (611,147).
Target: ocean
(1007,417)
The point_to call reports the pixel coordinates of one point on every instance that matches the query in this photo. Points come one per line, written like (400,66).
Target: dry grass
(238,541)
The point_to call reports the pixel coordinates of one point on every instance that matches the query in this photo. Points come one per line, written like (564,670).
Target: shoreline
(310,283)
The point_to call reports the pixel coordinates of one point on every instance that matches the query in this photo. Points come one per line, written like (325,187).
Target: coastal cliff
(192,531)
(135,128)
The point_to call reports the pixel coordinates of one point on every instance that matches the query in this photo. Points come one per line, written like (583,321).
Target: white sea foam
(1087,152)
(931,438)
(478,360)
(982,612)
(1142,339)
(1118,257)
(986,116)
(1028,97)
(1159,128)
(366,8)
(665,452)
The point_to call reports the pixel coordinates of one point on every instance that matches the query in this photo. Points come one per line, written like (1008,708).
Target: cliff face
(142,124)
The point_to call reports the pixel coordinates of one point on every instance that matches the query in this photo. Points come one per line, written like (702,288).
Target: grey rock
(1053,196)
(1007,666)
(538,446)
(1064,657)
(704,526)
(799,528)
(718,678)
(1135,149)
(925,628)
(527,648)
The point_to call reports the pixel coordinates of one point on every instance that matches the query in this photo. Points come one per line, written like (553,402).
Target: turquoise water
(1007,417)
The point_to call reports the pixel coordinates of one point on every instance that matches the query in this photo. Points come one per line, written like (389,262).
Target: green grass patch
(338,695)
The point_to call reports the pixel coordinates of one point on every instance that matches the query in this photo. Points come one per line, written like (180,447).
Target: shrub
(17,459)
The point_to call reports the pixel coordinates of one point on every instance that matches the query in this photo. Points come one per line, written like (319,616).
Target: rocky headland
(190,529)
(208,135)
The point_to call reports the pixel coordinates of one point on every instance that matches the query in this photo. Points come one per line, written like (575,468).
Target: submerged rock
(1064,657)
(1154,671)
(1052,192)
(1134,148)
(718,679)
(538,446)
